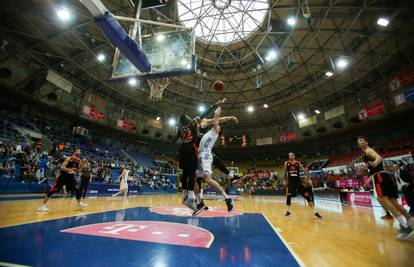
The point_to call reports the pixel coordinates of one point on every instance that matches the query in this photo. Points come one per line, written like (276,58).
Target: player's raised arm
(228,118)
(216,124)
(211,108)
(205,123)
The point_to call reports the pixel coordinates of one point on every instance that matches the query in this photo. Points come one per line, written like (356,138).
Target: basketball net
(157,87)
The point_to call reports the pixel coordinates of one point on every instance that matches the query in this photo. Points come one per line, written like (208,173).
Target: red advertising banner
(125,125)
(371,110)
(406,78)
(402,80)
(93,113)
(359,198)
(287,137)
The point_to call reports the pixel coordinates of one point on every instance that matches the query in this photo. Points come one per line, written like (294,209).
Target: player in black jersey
(295,184)
(68,170)
(385,188)
(188,132)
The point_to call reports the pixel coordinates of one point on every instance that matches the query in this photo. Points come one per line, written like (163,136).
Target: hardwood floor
(348,236)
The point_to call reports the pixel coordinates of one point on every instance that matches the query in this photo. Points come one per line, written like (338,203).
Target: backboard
(171,53)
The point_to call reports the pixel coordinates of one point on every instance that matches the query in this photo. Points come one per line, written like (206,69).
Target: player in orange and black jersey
(295,184)
(68,170)
(385,188)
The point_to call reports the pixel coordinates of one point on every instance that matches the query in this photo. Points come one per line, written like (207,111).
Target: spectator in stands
(2,149)
(107,175)
(40,175)
(3,169)
(11,167)
(152,185)
(27,174)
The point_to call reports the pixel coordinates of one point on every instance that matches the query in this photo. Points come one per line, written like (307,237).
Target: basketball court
(158,231)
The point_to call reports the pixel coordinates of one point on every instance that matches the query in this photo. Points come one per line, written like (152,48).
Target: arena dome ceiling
(292,55)
(222,21)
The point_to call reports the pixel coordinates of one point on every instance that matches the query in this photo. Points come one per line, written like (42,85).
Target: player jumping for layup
(68,169)
(294,184)
(385,189)
(205,158)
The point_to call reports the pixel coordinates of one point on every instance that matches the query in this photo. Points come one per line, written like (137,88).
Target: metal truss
(296,79)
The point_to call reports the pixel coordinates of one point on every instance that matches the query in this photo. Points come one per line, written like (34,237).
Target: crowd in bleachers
(7,161)
(350,160)
(388,149)
(28,160)
(260,180)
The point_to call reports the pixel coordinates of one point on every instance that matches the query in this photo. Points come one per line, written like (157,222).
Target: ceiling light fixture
(383,22)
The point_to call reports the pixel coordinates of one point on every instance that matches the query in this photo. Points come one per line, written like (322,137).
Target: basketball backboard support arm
(117,34)
(96,7)
(150,22)
(136,26)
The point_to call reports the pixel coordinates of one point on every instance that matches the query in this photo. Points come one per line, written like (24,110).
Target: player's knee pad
(288,200)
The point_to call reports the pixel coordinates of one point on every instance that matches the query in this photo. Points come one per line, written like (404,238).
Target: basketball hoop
(157,87)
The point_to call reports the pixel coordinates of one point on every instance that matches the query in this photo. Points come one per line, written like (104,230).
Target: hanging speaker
(5,73)
(52,96)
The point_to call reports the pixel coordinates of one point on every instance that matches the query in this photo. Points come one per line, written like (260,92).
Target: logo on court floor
(149,231)
(186,212)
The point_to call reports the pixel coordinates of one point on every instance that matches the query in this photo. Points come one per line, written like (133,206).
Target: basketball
(218,85)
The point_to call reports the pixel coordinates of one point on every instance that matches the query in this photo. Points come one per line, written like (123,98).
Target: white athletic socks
(185,193)
(403,222)
(198,198)
(191,194)
(201,193)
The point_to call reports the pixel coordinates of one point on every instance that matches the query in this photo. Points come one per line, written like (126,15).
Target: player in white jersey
(205,159)
(123,183)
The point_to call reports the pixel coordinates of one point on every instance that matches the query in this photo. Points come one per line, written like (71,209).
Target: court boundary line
(29,222)
(8,264)
(295,256)
(41,196)
(109,210)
